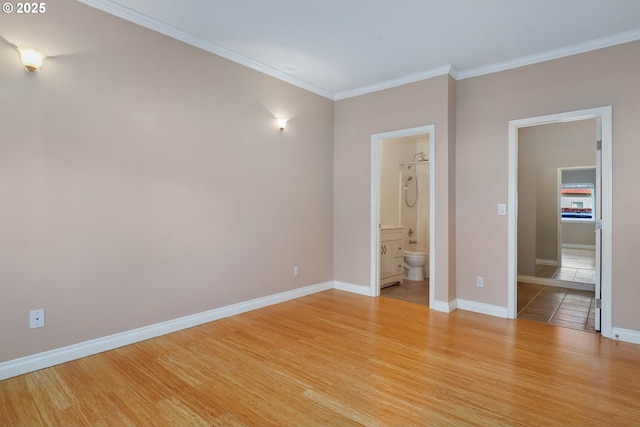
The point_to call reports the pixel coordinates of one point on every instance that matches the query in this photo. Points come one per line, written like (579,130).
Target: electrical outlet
(36,318)
(296,271)
(480,281)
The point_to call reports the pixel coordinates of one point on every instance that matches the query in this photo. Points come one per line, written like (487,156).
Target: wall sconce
(282,123)
(31,58)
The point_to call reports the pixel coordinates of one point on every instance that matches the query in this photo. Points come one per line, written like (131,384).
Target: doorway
(576,218)
(419,164)
(602,148)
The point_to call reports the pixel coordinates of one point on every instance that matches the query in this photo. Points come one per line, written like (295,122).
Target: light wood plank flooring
(340,359)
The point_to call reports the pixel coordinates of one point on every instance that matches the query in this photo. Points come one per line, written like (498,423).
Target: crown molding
(388,84)
(604,42)
(170,31)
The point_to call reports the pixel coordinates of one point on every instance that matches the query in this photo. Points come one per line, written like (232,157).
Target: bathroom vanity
(391,255)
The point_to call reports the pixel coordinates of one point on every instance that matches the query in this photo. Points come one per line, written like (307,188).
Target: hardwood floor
(338,359)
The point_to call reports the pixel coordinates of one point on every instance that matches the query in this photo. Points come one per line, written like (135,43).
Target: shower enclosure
(414,206)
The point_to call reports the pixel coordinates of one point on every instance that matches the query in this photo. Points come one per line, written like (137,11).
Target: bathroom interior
(404,218)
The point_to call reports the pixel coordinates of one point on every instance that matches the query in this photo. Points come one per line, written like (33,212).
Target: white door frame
(376,141)
(605,114)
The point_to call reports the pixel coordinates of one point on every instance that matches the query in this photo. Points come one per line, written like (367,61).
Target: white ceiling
(341,48)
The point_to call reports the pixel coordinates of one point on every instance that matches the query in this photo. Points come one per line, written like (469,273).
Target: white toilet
(415,263)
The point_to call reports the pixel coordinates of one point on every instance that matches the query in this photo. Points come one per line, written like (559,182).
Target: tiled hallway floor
(569,308)
(578,265)
(569,274)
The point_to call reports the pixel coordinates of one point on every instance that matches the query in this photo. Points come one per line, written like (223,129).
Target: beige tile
(576,304)
(585,276)
(579,258)
(565,324)
(575,308)
(579,292)
(567,317)
(410,290)
(578,265)
(565,273)
(578,301)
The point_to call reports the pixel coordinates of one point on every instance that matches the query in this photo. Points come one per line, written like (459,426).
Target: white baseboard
(558,283)
(444,306)
(479,307)
(627,335)
(578,246)
(350,287)
(46,359)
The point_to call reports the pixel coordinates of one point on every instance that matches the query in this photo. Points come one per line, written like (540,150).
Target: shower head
(420,157)
(406,182)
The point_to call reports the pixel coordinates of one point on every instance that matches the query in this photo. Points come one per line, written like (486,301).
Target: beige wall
(486,104)
(579,233)
(356,120)
(541,151)
(142,180)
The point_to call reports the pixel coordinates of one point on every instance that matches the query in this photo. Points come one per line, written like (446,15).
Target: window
(576,202)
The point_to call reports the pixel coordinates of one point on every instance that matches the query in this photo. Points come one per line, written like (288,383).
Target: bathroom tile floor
(410,290)
(569,308)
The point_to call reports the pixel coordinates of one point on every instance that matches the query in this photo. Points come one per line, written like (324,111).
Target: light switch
(502,209)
